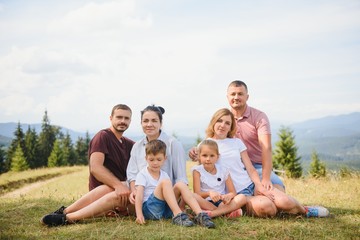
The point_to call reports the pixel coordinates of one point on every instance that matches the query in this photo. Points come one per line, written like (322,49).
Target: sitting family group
(148,178)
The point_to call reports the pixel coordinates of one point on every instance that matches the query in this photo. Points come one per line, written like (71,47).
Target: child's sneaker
(54,219)
(203,219)
(316,211)
(182,219)
(235,214)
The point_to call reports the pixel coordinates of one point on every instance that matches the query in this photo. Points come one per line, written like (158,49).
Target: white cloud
(84,59)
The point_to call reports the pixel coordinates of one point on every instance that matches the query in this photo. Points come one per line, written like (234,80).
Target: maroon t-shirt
(117,154)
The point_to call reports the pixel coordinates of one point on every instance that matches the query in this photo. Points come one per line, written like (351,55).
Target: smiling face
(151,125)
(237,97)
(208,155)
(222,127)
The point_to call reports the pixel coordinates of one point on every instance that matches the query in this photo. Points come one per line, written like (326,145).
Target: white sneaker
(316,211)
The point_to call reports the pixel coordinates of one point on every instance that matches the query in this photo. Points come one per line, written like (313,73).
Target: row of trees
(286,159)
(52,148)
(48,149)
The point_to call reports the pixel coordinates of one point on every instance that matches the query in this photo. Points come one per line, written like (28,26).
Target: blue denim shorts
(249,190)
(155,209)
(273,177)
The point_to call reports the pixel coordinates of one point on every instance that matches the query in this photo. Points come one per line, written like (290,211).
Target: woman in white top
(233,155)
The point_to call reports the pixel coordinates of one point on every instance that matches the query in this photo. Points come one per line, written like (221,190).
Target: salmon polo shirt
(248,127)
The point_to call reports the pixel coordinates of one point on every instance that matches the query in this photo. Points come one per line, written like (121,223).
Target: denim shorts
(249,190)
(216,203)
(155,209)
(273,177)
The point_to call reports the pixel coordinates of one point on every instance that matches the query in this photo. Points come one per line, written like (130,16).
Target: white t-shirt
(210,182)
(230,158)
(144,178)
(174,166)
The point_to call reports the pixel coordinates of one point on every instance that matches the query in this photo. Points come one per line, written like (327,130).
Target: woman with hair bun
(174,166)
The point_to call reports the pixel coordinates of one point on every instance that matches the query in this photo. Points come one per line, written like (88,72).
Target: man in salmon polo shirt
(253,128)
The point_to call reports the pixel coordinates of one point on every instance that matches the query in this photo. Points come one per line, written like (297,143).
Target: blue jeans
(156,209)
(273,177)
(249,190)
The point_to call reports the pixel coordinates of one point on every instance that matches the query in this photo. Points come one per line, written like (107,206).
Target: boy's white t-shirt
(210,182)
(144,178)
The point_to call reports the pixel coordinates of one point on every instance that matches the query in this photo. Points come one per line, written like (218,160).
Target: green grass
(20,216)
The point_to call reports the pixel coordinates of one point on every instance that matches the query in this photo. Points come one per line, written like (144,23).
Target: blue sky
(300,59)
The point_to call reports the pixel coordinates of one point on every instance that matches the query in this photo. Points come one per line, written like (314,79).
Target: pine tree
(81,149)
(18,140)
(47,138)
(68,151)
(56,156)
(18,161)
(3,165)
(285,154)
(32,147)
(317,168)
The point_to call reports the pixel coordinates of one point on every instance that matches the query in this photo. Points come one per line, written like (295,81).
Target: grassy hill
(20,215)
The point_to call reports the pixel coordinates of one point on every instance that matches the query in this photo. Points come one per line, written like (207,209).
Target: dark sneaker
(204,220)
(60,210)
(54,219)
(182,219)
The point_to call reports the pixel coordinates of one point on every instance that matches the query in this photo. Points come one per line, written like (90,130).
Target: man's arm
(266,152)
(104,175)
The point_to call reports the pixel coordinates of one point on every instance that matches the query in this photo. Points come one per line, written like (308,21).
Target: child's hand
(226,198)
(215,196)
(140,220)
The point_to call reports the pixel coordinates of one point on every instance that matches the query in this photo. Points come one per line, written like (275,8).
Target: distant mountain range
(335,138)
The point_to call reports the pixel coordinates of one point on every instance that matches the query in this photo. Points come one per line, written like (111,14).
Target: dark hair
(157,109)
(155,146)
(120,106)
(238,83)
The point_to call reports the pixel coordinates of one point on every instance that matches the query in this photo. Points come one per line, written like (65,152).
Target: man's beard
(121,130)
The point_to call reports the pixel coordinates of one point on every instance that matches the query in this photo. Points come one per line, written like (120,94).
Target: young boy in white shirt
(156,198)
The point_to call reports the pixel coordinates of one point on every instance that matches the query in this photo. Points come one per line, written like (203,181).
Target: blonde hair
(217,115)
(210,143)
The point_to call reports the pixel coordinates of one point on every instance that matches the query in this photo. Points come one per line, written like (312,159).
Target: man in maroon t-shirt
(109,154)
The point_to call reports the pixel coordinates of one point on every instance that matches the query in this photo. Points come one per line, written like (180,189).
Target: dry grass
(20,216)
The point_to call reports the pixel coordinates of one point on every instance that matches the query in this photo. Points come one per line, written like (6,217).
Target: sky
(77,59)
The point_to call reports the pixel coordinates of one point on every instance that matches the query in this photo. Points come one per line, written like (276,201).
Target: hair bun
(162,110)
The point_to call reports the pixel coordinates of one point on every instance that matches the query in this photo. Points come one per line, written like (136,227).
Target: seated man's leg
(100,207)
(88,198)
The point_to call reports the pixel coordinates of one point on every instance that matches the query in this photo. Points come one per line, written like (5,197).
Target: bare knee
(262,207)
(166,182)
(180,185)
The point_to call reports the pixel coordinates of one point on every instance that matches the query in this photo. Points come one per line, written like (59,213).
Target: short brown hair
(154,147)
(238,83)
(120,106)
